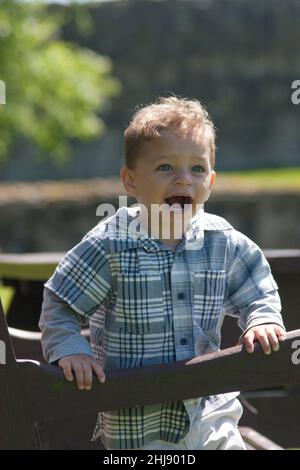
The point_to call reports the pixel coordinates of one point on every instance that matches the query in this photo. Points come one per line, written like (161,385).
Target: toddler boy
(156,281)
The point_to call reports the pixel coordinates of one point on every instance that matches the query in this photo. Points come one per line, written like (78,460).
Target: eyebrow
(172,157)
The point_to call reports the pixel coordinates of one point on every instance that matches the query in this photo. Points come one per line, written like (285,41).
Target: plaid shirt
(150,304)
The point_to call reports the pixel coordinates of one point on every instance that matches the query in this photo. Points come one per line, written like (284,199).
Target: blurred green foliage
(55,90)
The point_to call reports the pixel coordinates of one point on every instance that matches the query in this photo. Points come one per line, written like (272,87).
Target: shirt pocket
(139,305)
(209,291)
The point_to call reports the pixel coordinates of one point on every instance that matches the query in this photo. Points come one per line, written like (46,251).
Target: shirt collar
(123,231)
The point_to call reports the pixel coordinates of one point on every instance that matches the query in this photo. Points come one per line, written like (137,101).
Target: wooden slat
(40,266)
(29,266)
(32,394)
(256,441)
(16,424)
(284,261)
(225,371)
(10,359)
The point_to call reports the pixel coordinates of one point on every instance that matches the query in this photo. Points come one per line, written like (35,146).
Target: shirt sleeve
(61,328)
(83,277)
(251,291)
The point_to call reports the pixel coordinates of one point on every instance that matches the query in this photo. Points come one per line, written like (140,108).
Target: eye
(165,167)
(198,169)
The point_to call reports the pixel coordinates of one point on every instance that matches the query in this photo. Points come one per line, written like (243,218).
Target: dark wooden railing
(32,395)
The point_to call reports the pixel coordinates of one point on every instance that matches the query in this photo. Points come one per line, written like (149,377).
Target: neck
(170,242)
(169,228)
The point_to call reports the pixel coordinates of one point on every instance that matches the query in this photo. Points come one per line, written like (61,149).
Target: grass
(269,179)
(288,175)
(6,294)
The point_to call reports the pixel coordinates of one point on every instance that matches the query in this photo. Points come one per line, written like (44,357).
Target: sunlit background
(71,75)
(75,72)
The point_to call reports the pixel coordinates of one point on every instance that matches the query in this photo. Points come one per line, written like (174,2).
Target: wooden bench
(40,410)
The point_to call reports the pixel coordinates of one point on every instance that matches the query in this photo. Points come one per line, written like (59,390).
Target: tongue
(180,200)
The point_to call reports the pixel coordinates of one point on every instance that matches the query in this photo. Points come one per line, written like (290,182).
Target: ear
(212,179)
(127,177)
(211,183)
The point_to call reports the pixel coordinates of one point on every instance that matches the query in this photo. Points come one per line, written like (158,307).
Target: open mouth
(179,200)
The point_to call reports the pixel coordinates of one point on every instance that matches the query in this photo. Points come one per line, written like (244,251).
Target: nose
(183,178)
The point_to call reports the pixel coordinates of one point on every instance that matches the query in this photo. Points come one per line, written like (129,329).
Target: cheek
(203,190)
(203,187)
(146,189)
(156,181)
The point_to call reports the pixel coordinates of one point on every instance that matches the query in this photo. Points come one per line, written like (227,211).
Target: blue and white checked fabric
(150,304)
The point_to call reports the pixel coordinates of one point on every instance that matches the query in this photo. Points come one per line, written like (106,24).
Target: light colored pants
(215,431)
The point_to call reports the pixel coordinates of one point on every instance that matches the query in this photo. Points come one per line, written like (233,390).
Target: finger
(248,341)
(78,371)
(264,341)
(87,375)
(281,335)
(273,340)
(98,371)
(67,370)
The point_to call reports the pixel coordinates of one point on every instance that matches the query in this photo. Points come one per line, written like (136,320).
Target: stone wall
(238,57)
(272,220)
(55,216)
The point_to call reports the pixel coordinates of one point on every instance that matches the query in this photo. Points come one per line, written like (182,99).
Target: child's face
(171,169)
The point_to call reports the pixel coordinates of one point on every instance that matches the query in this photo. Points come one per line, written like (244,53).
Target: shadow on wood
(33,395)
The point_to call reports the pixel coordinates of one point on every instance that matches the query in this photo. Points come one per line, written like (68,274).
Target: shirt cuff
(70,348)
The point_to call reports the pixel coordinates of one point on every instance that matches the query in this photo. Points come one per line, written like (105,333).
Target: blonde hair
(172,113)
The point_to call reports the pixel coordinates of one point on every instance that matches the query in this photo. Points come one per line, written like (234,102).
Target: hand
(83,367)
(267,335)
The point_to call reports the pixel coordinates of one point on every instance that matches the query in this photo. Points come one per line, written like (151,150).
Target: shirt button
(183,341)
(180,295)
